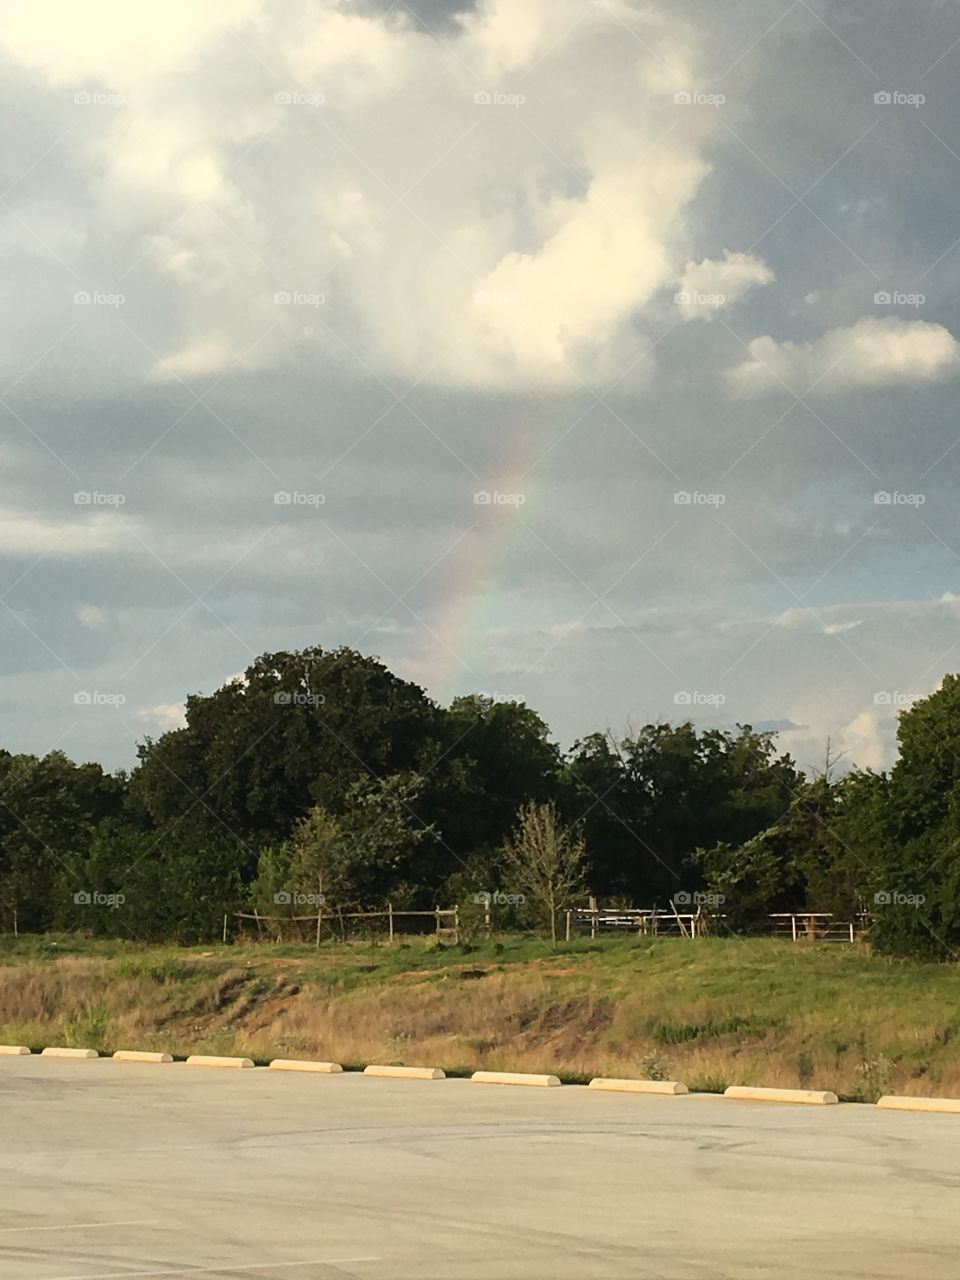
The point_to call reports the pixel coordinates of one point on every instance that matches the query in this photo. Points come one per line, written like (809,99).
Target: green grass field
(711,1012)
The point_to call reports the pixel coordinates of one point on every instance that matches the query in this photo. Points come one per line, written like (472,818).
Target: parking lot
(111,1170)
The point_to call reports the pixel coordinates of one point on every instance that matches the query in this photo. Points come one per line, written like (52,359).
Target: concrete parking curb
(13,1050)
(299,1064)
(137,1055)
(809,1097)
(891,1102)
(674,1087)
(406,1073)
(514,1077)
(206,1060)
(55,1051)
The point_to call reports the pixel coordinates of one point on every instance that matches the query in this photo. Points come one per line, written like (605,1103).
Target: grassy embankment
(711,1012)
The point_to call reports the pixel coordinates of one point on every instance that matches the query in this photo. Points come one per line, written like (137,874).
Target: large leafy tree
(651,800)
(495,757)
(49,811)
(917,884)
(298,729)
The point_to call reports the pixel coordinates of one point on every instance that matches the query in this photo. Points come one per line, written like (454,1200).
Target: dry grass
(712,1013)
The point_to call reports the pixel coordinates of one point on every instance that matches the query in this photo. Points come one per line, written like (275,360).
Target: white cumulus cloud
(871,353)
(707,287)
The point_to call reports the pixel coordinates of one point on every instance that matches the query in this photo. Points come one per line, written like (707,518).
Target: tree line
(321,773)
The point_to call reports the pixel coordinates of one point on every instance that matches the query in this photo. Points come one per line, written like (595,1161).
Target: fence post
(851,930)
(390,920)
(456,922)
(569,914)
(793,927)
(437,914)
(224,928)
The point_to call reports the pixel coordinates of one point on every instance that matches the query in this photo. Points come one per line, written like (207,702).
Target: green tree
(544,859)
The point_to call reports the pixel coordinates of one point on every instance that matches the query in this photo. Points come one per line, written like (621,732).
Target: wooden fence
(446,921)
(812,926)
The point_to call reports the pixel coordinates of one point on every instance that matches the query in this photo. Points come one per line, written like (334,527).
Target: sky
(601,355)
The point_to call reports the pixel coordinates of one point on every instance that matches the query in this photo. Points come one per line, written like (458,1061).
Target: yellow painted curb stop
(135,1055)
(13,1050)
(299,1064)
(890,1102)
(809,1097)
(206,1060)
(406,1073)
(674,1087)
(514,1077)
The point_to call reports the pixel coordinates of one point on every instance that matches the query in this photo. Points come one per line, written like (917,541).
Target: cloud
(713,284)
(871,353)
(166,716)
(462,215)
